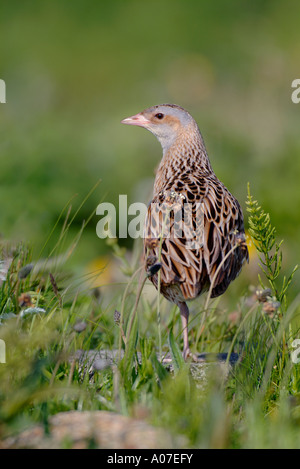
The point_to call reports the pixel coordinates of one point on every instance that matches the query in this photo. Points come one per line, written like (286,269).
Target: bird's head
(166,121)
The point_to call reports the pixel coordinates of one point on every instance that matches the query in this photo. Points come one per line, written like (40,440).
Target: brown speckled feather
(193,269)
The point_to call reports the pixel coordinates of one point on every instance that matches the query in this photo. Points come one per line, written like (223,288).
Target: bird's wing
(190,227)
(224,244)
(172,243)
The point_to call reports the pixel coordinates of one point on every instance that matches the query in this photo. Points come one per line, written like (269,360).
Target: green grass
(73,70)
(256,406)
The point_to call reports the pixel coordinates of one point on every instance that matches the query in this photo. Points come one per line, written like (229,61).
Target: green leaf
(263,235)
(129,355)
(158,367)
(177,358)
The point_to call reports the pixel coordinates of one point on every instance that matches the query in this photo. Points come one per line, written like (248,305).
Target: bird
(194,227)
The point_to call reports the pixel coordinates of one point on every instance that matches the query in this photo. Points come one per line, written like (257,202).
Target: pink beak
(138,119)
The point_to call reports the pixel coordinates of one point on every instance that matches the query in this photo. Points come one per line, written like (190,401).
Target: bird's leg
(184,314)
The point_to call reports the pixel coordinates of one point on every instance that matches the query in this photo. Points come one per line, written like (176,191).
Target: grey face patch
(164,132)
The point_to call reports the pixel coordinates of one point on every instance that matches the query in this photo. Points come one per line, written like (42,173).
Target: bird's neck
(187,153)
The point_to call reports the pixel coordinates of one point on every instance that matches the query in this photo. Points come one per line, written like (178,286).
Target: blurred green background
(73,70)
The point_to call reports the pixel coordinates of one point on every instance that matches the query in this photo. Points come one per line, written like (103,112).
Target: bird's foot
(188,355)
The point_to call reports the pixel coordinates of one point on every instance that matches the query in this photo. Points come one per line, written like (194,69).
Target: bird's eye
(159,115)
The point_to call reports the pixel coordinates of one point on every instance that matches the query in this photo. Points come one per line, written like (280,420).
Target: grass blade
(177,358)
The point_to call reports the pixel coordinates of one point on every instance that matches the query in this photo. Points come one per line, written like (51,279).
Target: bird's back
(194,227)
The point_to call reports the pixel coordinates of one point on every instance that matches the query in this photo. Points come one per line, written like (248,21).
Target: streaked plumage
(185,179)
